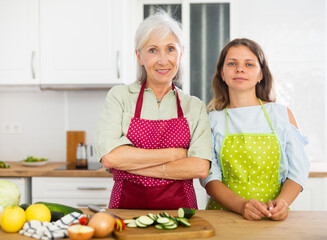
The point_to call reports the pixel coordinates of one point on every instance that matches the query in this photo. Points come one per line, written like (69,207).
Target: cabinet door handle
(33,64)
(91,188)
(117,64)
(87,204)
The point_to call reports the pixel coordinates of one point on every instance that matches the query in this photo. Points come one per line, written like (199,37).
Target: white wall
(292,34)
(45,116)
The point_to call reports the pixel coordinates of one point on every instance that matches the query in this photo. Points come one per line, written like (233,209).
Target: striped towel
(50,230)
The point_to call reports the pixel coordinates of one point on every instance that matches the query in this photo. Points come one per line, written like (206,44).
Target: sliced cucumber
(131,225)
(166,215)
(163,220)
(159,226)
(139,224)
(171,222)
(145,220)
(127,221)
(186,212)
(184,221)
(152,216)
(170,227)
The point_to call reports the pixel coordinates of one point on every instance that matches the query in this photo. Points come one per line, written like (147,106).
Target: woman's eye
(231,64)
(249,65)
(171,49)
(152,50)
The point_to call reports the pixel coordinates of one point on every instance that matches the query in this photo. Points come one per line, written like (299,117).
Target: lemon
(12,219)
(38,212)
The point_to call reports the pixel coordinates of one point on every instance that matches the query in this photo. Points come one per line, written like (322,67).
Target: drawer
(76,202)
(62,188)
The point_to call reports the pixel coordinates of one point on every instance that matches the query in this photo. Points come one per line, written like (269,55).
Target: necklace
(158,101)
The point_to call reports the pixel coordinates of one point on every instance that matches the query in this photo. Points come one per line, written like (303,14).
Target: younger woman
(259,163)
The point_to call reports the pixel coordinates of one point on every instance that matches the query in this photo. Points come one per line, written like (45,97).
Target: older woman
(153,137)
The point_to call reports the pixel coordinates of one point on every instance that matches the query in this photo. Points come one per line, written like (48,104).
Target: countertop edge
(18,170)
(317,170)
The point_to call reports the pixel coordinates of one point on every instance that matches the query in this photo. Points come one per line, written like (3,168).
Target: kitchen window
(293,39)
(206,25)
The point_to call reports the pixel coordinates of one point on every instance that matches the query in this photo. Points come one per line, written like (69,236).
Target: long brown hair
(264,90)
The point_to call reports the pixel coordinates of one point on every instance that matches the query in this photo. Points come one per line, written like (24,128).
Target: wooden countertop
(317,170)
(18,170)
(228,225)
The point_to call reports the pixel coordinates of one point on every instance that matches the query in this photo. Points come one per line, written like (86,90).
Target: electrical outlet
(16,128)
(12,128)
(6,128)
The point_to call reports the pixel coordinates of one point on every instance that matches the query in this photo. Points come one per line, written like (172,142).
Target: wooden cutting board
(73,138)
(200,228)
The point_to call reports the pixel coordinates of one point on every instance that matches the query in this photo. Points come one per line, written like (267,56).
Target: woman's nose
(163,59)
(239,69)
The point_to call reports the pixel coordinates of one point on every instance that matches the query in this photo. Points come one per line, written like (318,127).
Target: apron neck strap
(139,103)
(264,110)
(179,108)
(226,120)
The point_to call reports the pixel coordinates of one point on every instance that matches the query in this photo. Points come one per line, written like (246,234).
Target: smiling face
(241,70)
(160,58)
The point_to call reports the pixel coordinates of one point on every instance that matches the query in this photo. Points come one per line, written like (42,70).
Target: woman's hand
(278,209)
(255,210)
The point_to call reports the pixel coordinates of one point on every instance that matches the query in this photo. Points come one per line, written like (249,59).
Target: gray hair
(161,24)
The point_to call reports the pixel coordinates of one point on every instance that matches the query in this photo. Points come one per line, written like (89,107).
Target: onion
(102,223)
(80,232)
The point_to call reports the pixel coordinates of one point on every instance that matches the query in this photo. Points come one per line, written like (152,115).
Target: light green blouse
(119,108)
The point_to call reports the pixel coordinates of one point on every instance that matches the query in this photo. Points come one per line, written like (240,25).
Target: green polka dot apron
(250,164)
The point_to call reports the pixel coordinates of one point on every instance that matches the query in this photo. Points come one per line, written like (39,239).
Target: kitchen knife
(95,208)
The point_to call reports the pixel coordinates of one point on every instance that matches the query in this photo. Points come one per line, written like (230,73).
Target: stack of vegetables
(13,216)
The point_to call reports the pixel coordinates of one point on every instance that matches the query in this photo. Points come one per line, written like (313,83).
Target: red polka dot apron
(250,164)
(139,192)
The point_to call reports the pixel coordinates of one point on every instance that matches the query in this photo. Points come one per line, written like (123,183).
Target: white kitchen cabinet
(62,43)
(19,42)
(24,185)
(80,192)
(81,42)
(75,192)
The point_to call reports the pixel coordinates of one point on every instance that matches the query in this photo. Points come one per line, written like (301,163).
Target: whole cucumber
(24,206)
(186,212)
(56,215)
(55,207)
